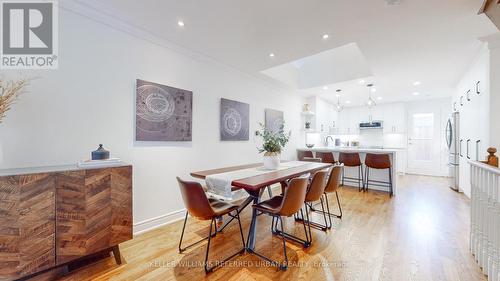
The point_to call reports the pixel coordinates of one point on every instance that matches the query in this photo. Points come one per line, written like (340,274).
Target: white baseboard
(150,224)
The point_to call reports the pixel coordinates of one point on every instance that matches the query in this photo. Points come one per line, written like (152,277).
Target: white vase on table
(271,160)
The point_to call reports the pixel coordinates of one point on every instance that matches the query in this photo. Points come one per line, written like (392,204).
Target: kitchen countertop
(350,149)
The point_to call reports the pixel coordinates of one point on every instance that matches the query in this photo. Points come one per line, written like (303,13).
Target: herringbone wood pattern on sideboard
(93,211)
(27,224)
(50,219)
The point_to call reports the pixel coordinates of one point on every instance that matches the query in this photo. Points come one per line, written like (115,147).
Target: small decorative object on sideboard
(308,125)
(100,153)
(491,159)
(310,145)
(273,143)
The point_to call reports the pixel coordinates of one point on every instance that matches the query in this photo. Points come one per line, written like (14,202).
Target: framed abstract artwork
(274,120)
(234,120)
(163,113)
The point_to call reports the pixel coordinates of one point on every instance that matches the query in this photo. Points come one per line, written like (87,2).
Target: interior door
(422,156)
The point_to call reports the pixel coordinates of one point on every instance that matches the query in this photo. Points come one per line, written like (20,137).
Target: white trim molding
(152,223)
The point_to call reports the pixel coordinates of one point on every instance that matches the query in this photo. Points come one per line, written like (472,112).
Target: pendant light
(370,102)
(338,107)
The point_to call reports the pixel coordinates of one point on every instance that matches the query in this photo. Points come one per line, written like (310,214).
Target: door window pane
(422,136)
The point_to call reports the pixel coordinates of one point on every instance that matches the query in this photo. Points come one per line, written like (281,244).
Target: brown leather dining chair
(380,162)
(332,186)
(314,194)
(199,206)
(304,153)
(351,159)
(285,205)
(326,157)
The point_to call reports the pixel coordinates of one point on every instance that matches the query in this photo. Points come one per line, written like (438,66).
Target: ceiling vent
(393,2)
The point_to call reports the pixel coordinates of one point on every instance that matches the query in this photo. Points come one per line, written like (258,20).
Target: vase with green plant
(273,143)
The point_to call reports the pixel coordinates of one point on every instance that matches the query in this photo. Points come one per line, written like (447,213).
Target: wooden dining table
(255,185)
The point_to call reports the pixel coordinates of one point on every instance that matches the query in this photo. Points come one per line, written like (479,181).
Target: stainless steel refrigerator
(453,142)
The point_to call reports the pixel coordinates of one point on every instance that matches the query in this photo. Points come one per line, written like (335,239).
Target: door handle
(460,148)
(477,149)
(468,156)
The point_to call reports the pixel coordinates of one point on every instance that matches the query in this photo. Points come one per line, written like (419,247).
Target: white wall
(90,100)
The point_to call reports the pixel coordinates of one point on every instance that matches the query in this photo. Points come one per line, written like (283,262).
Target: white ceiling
(426,40)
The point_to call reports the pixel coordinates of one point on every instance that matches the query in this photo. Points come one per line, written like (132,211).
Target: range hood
(371,125)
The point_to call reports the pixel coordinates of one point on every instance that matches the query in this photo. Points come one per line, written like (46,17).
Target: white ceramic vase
(271,160)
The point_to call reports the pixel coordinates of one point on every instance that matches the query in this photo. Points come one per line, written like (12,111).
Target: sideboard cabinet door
(94,211)
(27,224)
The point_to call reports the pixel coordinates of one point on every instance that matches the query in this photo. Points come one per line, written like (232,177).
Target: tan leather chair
(314,194)
(378,161)
(332,186)
(351,159)
(284,206)
(199,206)
(326,157)
(304,153)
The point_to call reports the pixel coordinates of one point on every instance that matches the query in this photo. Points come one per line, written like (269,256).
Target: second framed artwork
(234,120)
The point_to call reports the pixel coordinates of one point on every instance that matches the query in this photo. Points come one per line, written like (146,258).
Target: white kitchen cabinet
(354,120)
(472,102)
(401,159)
(394,118)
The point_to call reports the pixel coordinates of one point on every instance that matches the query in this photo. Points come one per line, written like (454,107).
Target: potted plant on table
(273,143)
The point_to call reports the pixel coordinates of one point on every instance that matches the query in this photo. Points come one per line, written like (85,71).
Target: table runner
(219,185)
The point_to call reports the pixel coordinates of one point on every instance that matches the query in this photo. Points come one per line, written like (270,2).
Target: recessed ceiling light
(416,83)
(325,36)
(348,101)
(325,88)
(416,93)
(271,55)
(379,98)
(362,82)
(180,23)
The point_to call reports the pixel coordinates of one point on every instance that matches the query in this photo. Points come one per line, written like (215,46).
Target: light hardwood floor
(420,234)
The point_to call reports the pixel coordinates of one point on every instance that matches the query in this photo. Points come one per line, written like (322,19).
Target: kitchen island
(375,174)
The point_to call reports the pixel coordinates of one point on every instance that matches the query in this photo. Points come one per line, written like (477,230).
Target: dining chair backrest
(378,161)
(304,153)
(294,196)
(326,157)
(350,159)
(317,186)
(195,199)
(333,182)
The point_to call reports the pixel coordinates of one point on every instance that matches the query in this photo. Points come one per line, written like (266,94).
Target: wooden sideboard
(52,216)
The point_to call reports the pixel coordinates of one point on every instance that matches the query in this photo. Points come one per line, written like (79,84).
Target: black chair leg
(220,263)
(390,182)
(359,179)
(328,207)
(195,243)
(282,266)
(285,265)
(274,229)
(208,269)
(342,177)
(367,178)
